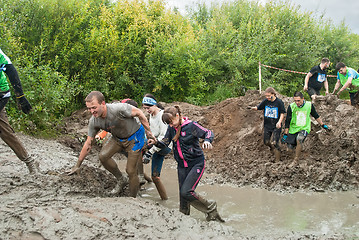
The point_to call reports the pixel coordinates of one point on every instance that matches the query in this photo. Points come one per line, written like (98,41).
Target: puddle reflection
(251,210)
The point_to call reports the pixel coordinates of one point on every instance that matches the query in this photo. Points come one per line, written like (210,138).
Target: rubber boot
(121,184)
(185,207)
(208,207)
(32,165)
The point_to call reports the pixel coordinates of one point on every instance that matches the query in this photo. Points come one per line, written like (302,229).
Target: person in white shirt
(158,129)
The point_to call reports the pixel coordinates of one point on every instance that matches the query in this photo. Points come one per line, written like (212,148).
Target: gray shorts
(292,139)
(312,91)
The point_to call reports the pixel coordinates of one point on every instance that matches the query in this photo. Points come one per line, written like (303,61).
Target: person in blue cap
(154,154)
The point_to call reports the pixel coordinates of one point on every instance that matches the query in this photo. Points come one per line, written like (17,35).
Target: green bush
(49,92)
(64,49)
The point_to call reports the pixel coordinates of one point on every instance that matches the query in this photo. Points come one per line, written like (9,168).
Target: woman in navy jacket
(189,155)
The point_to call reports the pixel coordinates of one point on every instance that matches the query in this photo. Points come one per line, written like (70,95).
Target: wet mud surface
(56,206)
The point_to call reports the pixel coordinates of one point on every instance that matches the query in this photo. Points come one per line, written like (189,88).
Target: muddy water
(257,211)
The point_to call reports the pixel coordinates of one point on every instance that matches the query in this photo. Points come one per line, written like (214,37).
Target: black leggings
(188,179)
(354,98)
(274,134)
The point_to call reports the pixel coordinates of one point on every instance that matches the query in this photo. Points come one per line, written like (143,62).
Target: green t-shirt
(4,85)
(353,74)
(300,118)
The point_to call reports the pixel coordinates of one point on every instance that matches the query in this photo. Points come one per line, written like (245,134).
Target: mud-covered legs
(188,179)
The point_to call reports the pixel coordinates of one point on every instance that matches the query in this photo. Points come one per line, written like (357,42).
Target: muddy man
(6,132)
(127,134)
(298,124)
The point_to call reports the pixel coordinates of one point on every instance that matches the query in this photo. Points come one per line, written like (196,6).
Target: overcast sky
(337,10)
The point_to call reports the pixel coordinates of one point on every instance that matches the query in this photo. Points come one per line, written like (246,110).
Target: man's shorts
(139,137)
(312,91)
(354,98)
(293,138)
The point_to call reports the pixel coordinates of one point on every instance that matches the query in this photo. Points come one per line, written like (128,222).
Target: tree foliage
(64,49)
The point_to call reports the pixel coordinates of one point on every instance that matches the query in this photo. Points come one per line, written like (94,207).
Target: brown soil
(329,160)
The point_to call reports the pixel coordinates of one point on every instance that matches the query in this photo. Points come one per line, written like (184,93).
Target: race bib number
(301,118)
(321,77)
(271,112)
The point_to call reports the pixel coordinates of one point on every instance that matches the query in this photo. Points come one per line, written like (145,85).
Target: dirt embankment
(329,160)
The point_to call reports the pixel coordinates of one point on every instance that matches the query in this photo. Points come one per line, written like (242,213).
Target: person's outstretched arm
(84,151)
(14,78)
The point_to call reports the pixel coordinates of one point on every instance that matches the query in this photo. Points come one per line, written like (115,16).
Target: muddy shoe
(276,155)
(293,164)
(142,179)
(121,184)
(303,165)
(32,165)
(214,216)
(148,179)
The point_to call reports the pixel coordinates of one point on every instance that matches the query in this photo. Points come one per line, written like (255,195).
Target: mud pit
(57,206)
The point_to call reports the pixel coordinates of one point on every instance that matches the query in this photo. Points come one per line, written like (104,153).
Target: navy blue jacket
(187,150)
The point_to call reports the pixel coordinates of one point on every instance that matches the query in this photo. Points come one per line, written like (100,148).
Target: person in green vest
(297,124)
(7,133)
(349,78)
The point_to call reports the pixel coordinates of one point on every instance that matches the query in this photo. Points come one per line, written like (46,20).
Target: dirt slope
(329,160)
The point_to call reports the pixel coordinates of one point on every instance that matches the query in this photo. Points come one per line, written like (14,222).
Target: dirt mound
(329,160)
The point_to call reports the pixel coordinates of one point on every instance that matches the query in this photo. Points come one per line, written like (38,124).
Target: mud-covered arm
(165,141)
(326,86)
(346,85)
(306,80)
(336,87)
(141,116)
(84,151)
(279,123)
(282,112)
